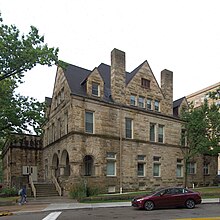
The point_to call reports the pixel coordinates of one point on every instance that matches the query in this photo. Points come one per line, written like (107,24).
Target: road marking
(52,216)
(207,218)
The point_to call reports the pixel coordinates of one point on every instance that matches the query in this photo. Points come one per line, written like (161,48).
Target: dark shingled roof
(178,102)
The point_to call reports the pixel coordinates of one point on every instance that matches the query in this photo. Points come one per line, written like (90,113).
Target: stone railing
(33,189)
(58,188)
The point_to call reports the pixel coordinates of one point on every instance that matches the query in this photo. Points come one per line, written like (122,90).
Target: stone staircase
(45,190)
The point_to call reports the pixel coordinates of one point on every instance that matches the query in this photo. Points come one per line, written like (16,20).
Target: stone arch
(55,165)
(65,164)
(88,165)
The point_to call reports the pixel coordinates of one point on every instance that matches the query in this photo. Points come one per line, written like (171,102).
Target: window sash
(206,169)
(156,170)
(133,100)
(179,170)
(95,89)
(161,133)
(149,103)
(141,169)
(156,105)
(191,168)
(89,122)
(141,102)
(128,128)
(111,168)
(152,132)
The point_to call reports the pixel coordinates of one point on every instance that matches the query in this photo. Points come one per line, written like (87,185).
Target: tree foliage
(18,54)
(202,128)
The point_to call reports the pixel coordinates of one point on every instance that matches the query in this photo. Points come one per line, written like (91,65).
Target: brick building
(116,129)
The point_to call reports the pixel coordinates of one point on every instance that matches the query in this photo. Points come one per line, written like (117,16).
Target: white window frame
(191,168)
(179,167)
(149,104)
(157,162)
(161,135)
(131,128)
(157,107)
(111,158)
(93,119)
(141,101)
(141,161)
(133,100)
(206,169)
(154,125)
(97,90)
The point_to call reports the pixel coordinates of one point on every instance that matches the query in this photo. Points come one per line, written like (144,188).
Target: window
(156,166)
(152,132)
(149,101)
(179,168)
(65,122)
(133,100)
(89,122)
(145,83)
(111,164)
(161,133)
(157,105)
(88,165)
(191,168)
(183,137)
(141,165)
(59,125)
(95,89)
(128,128)
(206,169)
(141,102)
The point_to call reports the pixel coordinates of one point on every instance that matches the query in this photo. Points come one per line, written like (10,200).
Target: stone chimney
(167,89)
(118,75)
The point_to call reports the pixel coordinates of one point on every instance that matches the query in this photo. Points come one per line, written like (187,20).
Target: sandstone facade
(116,130)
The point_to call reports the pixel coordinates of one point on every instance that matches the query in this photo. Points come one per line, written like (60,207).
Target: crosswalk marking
(52,216)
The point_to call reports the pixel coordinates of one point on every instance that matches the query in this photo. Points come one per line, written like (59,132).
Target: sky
(179,35)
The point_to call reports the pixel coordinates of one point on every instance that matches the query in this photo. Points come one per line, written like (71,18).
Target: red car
(169,197)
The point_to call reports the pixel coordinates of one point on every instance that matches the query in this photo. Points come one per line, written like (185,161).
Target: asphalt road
(204,211)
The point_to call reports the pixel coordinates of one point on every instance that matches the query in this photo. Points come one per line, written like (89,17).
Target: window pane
(128,128)
(141,102)
(140,169)
(95,89)
(149,104)
(179,169)
(160,133)
(110,168)
(156,171)
(133,100)
(152,132)
(156,105)
(89,122)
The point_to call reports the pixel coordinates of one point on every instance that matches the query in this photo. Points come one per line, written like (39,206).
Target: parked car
(169,197)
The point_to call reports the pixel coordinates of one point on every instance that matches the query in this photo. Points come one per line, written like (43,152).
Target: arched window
(88,165)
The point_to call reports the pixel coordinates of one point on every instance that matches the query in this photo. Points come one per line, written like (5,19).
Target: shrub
(6,192)
(81,190)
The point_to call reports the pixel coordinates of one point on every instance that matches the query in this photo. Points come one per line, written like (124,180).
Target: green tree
(202,129)
(18,54)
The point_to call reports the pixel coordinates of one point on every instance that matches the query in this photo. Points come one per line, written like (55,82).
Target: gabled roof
(178,102)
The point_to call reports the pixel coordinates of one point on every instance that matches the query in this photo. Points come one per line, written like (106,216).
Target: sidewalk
(64,205)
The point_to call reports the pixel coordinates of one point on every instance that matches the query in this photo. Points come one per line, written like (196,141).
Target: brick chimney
(117,75)
(167,89)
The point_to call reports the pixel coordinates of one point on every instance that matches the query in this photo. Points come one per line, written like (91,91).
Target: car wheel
(190,203)
(149,205)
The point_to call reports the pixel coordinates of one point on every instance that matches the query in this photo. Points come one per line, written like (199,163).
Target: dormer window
(95,89)
(145,83)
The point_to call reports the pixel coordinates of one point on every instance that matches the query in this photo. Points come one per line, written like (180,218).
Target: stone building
(115,129)
(22,156)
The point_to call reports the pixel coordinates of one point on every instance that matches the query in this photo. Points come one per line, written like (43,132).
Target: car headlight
(139,200)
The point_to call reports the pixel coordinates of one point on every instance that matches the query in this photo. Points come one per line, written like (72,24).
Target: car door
(165,199)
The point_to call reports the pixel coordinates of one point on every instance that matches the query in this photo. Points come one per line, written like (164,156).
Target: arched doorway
(88,165)
(55,165)
(65,163)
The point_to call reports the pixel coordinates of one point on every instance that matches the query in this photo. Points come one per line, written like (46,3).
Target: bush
(81,190)
(7,192)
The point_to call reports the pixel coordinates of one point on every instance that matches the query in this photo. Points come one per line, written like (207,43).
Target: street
(205,211)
